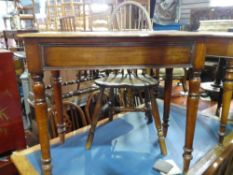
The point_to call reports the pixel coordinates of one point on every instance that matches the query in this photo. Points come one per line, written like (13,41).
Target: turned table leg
(167,99)
(227,95)
(61,128)
(192,108)
(42,122)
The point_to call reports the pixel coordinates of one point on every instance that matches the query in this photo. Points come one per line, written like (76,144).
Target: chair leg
(148,108)
(94,120)
(130,101)
(111,104)
(184,84)
(157,121)
(219,105)
(184,79)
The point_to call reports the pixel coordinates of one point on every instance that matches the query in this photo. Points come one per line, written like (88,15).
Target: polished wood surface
(54,51)
(42,121)
(144,34)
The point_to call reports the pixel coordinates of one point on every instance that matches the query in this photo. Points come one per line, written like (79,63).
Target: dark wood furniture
(130,81)
(11,125)
(55,51)
(74,118)
(90,105)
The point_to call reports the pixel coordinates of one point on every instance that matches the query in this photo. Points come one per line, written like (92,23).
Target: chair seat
(126,80)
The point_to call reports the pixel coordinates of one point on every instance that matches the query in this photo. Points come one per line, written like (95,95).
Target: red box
(11,125)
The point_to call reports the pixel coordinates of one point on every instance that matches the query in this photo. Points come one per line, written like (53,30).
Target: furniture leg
(219,104)
(130,97)
(79,76)
(148,108)
(183,81)
(157,121)
(227,94)
(94,119)
(167,99)
(192,108)
(42,121)
(122,98)
(61,127)
(111,104)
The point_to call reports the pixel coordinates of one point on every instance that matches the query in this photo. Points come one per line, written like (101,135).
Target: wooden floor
(205,105)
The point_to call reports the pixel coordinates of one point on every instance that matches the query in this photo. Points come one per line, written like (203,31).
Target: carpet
(128,146)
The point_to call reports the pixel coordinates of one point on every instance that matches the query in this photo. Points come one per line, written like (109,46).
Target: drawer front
(57,56)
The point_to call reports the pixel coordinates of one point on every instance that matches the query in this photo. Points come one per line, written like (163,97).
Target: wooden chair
(130,15)
(90,105)
(129,80)
(145,3)
(78,10)
(68,23)
(74,118)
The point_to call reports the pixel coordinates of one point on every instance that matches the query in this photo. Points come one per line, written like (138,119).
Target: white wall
(187,5)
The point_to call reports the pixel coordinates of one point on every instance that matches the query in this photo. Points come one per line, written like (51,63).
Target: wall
(187,5)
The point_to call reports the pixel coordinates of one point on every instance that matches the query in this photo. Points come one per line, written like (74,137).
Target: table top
(126,34)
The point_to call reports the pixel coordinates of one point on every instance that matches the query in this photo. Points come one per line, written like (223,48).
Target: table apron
(58,56)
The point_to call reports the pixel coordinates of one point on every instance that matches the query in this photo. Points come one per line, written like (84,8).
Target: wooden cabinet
(11,125)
